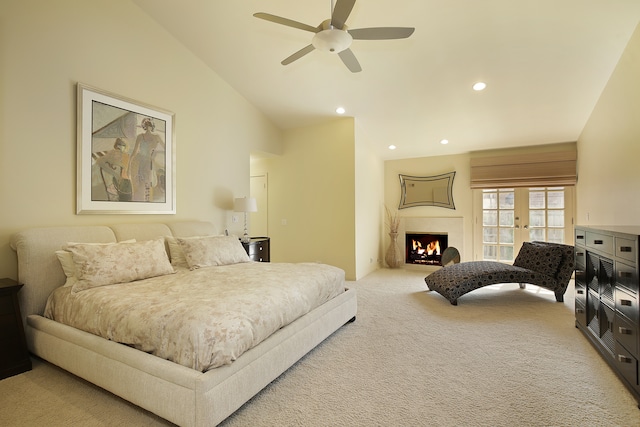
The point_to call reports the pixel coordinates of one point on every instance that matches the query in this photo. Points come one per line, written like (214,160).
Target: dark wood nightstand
(14,356)
(258,249)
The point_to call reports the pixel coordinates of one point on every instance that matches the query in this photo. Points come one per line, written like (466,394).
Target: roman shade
(547,169)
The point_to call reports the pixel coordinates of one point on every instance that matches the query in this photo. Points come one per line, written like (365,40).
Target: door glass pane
(507,199)
(507,235)
(489,199)
(507,219)
(506,253)
(537,199)
(536,234)
(490,235)
(536,218)
(555,235)
(490,218)
(556,218)
(555,199)
(490,253)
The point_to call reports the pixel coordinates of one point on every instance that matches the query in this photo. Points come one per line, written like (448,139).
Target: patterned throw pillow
(100,265)
(213,250)
(544,259)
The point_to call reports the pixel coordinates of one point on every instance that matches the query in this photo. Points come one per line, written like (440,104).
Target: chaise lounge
(548,265)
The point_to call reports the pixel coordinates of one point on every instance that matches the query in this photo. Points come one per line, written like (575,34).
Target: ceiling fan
(333,36)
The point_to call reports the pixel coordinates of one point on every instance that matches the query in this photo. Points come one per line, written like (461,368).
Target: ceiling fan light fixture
(332,40)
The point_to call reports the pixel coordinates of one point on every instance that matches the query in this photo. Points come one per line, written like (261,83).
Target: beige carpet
(502,357)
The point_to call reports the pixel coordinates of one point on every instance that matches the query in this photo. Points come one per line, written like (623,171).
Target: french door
(507,217)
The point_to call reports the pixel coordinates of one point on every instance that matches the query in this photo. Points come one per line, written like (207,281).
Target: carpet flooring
(503,357)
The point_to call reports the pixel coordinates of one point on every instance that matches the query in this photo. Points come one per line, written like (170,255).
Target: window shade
(524,170)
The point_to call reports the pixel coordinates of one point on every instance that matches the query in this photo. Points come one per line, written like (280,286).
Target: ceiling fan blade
(285,21)
(381,33)
(341,12)
(350,61)
(299,54)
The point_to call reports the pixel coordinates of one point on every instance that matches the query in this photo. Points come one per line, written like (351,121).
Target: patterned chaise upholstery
(548,265)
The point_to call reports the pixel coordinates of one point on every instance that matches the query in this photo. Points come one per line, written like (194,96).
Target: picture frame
(125,155)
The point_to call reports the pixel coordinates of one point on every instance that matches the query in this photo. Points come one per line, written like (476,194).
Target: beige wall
(311,196)
(429,166)
(46,47)
(608,187)
(369,170)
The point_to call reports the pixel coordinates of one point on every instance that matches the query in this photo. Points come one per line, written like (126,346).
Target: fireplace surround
(451,227)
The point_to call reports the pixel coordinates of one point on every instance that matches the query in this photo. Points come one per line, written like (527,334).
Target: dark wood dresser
(258,249)
(14,356)
(607,285)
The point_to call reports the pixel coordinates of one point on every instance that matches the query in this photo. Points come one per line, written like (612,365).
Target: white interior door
(259,221)
(507,217)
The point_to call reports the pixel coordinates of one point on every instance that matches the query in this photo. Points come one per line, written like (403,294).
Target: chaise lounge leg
(523,285)
(559,297)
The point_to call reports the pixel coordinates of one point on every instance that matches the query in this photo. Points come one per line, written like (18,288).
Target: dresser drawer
(627,304)
(580,257)
(626,249)
(627,365)
(626,333)
(600,242)
(626,277)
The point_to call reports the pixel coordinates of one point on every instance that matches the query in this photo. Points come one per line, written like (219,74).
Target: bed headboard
(39,269)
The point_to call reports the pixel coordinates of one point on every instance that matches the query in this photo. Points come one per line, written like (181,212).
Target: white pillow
(212,250)
(100,265)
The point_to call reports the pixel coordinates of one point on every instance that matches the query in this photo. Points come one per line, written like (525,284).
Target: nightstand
(14,356)
(258,249)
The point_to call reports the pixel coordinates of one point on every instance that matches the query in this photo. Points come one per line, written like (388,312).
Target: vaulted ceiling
(545,63)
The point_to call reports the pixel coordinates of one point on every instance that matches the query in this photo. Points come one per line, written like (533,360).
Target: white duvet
(204,318)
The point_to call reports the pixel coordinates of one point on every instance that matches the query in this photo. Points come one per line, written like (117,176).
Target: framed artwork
(126,156)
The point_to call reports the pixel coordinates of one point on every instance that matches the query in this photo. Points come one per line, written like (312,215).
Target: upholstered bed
(192,390)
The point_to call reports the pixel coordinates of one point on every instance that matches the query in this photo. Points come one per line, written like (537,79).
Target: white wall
(369,200)
(46,47)
(609,149)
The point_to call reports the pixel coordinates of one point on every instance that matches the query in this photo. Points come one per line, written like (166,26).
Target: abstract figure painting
(126,160)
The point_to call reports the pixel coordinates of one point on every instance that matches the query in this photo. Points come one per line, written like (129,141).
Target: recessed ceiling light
(479,86)
(340,110)
(392,147)
(444,142)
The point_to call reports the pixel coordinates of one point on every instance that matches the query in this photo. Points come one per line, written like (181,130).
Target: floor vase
(393,257)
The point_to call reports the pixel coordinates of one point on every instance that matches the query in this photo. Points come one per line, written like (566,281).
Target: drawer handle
(580,237)
(624,359)
(259,248)
(625,274)
(625,331)
(625,302)
(580,310)
(625,249)
(579,253)
(598,242)
(580,291)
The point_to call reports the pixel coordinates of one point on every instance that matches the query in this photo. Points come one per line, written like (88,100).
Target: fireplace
(425,248)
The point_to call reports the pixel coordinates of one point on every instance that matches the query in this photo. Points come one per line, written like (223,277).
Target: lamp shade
(245,204)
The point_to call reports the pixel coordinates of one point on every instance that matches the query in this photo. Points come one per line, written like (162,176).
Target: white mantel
(453,227)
